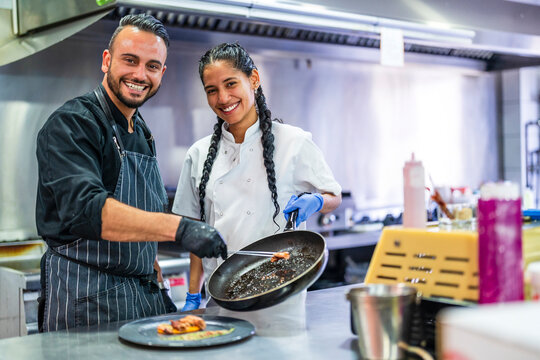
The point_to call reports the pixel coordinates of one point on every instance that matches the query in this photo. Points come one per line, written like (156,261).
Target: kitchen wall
(366,118)
(520,114)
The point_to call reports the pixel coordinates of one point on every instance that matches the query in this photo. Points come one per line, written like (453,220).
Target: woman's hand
(193,301)
(306,204)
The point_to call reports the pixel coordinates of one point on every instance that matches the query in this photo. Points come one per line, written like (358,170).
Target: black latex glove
(201,239)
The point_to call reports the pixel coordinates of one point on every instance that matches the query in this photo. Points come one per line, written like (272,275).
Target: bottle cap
(503,190)
(413,161)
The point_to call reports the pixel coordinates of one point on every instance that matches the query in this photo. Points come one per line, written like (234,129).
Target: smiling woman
(239,178)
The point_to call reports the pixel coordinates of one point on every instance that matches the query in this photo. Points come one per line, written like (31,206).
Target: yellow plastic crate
(438,263)
(442,264)
(531,243)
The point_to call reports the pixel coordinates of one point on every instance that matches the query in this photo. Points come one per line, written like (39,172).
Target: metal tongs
(289,227)
(252,253)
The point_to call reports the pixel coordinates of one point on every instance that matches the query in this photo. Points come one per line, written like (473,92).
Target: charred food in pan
(280,255)
(269,274)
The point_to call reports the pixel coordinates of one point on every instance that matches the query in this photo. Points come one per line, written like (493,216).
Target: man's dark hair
(143,22)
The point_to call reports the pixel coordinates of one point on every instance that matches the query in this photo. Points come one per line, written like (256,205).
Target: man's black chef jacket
(79,166)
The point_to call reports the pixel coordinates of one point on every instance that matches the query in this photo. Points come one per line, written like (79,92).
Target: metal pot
(247,283)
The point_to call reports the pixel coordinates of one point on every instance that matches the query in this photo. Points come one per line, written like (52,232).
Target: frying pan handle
(291,223)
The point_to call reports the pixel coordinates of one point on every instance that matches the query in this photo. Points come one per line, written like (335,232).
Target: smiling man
(101,200)
(134,65)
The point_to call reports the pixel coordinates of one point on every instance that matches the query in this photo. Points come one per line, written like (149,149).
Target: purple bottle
(500,256)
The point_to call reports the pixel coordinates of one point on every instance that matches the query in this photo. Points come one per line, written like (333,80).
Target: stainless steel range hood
(28,26)
(502,33)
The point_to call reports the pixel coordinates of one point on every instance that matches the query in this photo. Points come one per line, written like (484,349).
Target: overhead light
(314,21)
(223,7)
(320,16)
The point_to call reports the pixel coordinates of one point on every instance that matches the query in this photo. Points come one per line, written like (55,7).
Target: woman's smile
(229,109)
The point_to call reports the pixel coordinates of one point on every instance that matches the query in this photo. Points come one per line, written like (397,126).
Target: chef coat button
(225,151)
(249,212)
(248,180)
(221,181)
(221,214)
(251,149)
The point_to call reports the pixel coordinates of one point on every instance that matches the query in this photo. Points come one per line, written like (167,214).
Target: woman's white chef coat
(238,201)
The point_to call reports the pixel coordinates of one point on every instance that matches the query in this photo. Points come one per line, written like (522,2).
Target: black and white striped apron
(89,282)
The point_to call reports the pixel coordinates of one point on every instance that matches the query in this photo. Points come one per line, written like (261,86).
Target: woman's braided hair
(238,57)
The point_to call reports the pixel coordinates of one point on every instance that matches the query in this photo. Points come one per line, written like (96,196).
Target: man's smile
(135,87)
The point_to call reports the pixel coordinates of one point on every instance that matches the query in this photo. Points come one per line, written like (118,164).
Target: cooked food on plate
(189,328)
(201,335)
(189,323)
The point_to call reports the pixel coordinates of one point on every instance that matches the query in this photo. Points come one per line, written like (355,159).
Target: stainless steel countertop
(352,240)
(328,336)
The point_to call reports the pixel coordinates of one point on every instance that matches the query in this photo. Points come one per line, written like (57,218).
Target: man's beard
(114,85)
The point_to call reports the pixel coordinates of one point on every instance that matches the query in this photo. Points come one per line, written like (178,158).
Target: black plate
(144,332)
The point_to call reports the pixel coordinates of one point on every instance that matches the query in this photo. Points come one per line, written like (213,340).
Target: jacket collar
(252,133)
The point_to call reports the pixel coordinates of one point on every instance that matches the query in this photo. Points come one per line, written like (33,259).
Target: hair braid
(267,139)
(207,168)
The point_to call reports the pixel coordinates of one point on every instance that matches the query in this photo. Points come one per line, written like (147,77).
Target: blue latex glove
(307,205)
(193,301)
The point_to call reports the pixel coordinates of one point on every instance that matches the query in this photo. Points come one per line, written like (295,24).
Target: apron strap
(148,135)
(103,103)
(117,140)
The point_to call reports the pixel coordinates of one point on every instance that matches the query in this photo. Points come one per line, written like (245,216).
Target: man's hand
(158,270)
(200,238)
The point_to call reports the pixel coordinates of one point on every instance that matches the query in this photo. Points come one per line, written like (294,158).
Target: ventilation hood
(28,26)
(502,33)
(505,34)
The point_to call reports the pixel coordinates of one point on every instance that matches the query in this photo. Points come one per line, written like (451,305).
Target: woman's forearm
(331,202)
(196,274)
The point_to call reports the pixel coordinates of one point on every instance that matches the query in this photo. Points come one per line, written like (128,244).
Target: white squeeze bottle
(414,204)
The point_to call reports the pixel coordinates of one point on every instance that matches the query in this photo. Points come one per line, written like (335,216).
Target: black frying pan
(247,283)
